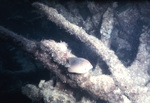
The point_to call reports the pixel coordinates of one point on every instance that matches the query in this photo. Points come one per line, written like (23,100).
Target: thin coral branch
(17,40)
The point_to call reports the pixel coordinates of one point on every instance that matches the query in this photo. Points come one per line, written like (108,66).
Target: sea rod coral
(118,87)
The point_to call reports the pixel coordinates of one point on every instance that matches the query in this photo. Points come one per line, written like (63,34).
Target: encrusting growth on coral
(63,56)
(62,53)
(49,93)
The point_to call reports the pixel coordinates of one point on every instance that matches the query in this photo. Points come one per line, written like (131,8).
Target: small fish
(79,65)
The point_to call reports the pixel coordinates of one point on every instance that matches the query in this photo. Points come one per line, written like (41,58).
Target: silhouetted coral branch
(17,40)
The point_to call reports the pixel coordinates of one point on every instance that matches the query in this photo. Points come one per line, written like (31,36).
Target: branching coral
(119,72)
(119,87)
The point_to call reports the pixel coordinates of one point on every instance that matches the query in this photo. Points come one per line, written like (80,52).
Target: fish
(79,65)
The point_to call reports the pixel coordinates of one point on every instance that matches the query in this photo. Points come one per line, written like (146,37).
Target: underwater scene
(89,51)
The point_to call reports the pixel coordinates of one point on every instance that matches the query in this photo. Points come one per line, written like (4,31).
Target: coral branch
(36,49)
(17,40)
(141,63)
